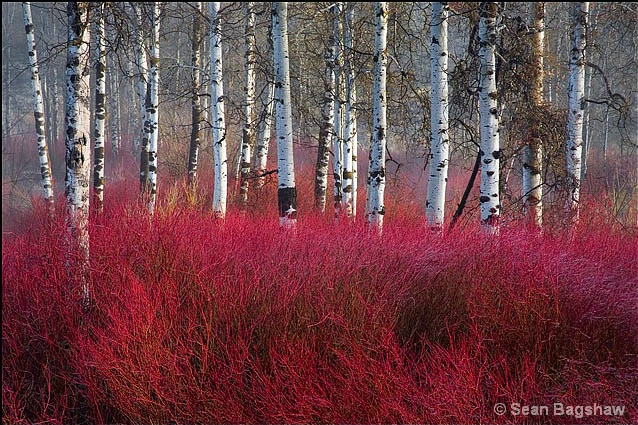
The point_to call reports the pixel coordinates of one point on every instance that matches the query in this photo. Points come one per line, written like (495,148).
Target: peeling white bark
(489,120)
(337,136)
(217,116)
(143,95)
(576,109)
(533,150)
(287,191)
(38,109)
(326,128)
(376,174)
(78,152)
(261,153)
(248,136)
(153,111)
(100,111)
(196,104)
(439,136)
(349,185)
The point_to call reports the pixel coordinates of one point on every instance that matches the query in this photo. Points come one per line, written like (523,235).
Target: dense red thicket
(195,320)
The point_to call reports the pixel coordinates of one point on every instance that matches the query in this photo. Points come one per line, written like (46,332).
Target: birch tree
(286,191)
(533,150)
(326,126)
(376,175)
(488,112)
(38,109)
(114,109)
(576,109)
(196,104)
(153,110)
(143,95)
(100,110)
(350,145)
(78,153)
(261,152)
(439,137)
(337,137)
(217,115)
(248,134)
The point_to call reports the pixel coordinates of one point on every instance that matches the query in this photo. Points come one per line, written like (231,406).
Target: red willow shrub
(200,321)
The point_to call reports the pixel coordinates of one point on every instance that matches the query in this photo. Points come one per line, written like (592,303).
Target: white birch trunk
(337,137)
(350,132)
(326,129)
(143,95)
(575,112)
(38,109)
(100,111)
(218,120)
(248,134)
(439,136)
(78,151)
(376,174)
(153,111)
(533,150)
(196,104)
(114,106)
(261,153)
(55,111)
(287,191)
(488,110)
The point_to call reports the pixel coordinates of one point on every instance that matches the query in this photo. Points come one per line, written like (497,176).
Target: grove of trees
(163,139)
(515,64)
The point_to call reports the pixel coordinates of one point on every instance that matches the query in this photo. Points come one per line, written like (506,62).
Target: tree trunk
(55,112)
(575,112)
(114,106)
(287,191)
(490,147)
(439,137)
(144,97)
(217,116)
(100,111)
(38,110)
(78,152)
(326,127)
(606,135)
(153,111)
(6,98)
(248,135)
(349,183)
(533,150)
(196,104)
(587,130)
(261,153)
(376,174)
(337,138)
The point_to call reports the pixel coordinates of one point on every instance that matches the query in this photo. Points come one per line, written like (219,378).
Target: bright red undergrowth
(200,321)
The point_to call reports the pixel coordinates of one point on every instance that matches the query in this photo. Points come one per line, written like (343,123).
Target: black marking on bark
(287,202)
(377,174)
(484,199)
